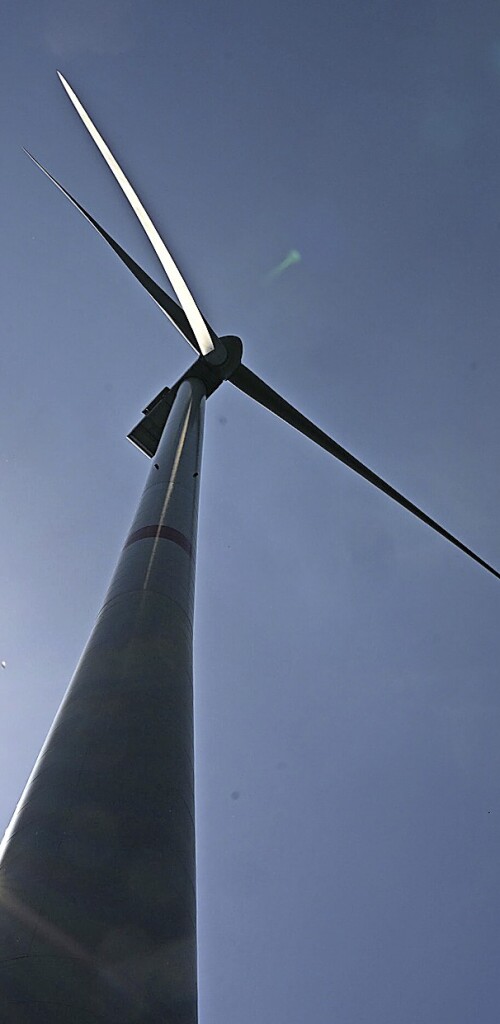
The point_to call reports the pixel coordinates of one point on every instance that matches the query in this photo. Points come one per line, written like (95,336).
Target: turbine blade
(246,381)
(197,322)
(174,312)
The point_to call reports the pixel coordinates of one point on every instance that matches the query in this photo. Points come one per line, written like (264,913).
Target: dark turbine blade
(256,388)
(174,312)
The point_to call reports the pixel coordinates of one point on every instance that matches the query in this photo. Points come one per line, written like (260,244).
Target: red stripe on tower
(162,532)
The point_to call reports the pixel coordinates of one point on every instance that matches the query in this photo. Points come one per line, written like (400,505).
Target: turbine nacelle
(213,369)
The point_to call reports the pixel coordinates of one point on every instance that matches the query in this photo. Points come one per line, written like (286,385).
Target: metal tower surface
(97,878)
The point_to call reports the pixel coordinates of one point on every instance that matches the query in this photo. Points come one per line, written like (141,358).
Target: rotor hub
(226,355)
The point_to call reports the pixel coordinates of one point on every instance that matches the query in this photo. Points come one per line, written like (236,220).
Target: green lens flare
(293,257)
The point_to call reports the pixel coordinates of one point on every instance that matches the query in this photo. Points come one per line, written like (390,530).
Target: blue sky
(347,699)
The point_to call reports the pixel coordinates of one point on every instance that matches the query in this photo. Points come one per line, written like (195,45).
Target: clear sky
(347,658)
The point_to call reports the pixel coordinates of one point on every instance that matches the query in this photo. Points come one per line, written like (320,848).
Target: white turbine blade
(174,275)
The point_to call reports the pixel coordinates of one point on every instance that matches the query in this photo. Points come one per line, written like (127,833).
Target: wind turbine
(97,871)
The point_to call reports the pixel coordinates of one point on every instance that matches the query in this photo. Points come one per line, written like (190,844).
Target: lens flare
(293,257)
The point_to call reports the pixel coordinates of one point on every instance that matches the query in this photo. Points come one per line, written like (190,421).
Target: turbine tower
(97,870)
